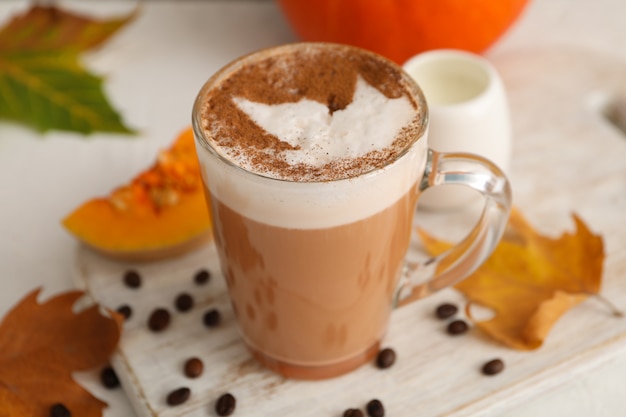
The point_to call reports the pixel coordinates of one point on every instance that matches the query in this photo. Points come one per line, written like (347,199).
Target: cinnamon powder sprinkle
(325,74)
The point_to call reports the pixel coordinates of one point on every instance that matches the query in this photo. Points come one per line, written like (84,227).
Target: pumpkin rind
(399,29)
(161,213)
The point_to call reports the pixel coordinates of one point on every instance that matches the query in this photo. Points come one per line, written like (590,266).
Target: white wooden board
(567,157)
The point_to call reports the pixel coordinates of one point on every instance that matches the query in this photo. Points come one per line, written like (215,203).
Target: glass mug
(314,268)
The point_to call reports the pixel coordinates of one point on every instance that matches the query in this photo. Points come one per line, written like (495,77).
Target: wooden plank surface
(567,157)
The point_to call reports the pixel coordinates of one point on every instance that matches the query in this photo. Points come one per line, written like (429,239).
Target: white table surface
(154,69)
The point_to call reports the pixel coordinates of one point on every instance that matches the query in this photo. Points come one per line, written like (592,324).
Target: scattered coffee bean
(159,320)
(493,367)
(184,302)
(125,310)
(225,405)
(132,279)
(59,410)
(194,367)
(178,396)
(109,378)
(375,409)
(202,277)
(457,327)
(446,310)
(385,358)
(212,318)
(353,412)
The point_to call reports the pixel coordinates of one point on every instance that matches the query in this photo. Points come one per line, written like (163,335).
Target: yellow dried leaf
(531,280)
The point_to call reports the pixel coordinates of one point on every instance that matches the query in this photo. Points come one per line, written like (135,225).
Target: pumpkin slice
(161,213)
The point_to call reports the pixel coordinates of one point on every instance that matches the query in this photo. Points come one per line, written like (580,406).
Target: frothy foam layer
(318,137)
(301,112)
(313,205)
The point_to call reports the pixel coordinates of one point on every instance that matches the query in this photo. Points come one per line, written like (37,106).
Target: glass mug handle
(421,279)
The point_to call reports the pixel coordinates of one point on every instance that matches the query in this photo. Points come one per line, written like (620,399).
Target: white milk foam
(313,205)
(370,122)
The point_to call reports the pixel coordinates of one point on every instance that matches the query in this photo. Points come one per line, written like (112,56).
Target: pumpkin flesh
(162,212)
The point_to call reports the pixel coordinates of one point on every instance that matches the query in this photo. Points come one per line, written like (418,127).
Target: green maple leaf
(42,81)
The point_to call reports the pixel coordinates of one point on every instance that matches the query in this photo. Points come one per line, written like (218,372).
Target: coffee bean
(59,410)
(184,302)
(353,412)
(178,396)
(132,279)
(202,277)
(159,320)
(125,310)
(446,310)
(457,327)
(109,378)
(225,405)
(385,358)
(212,318)
(375,409)
(493,367)
(194,367)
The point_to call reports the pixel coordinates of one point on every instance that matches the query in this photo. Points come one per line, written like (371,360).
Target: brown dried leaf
(41,345)
(531,280)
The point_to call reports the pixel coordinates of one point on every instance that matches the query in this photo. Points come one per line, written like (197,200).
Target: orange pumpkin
(399,29)
(161,213)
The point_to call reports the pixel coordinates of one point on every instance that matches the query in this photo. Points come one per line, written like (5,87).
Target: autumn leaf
(42,81)
(42,344)
(531,280)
